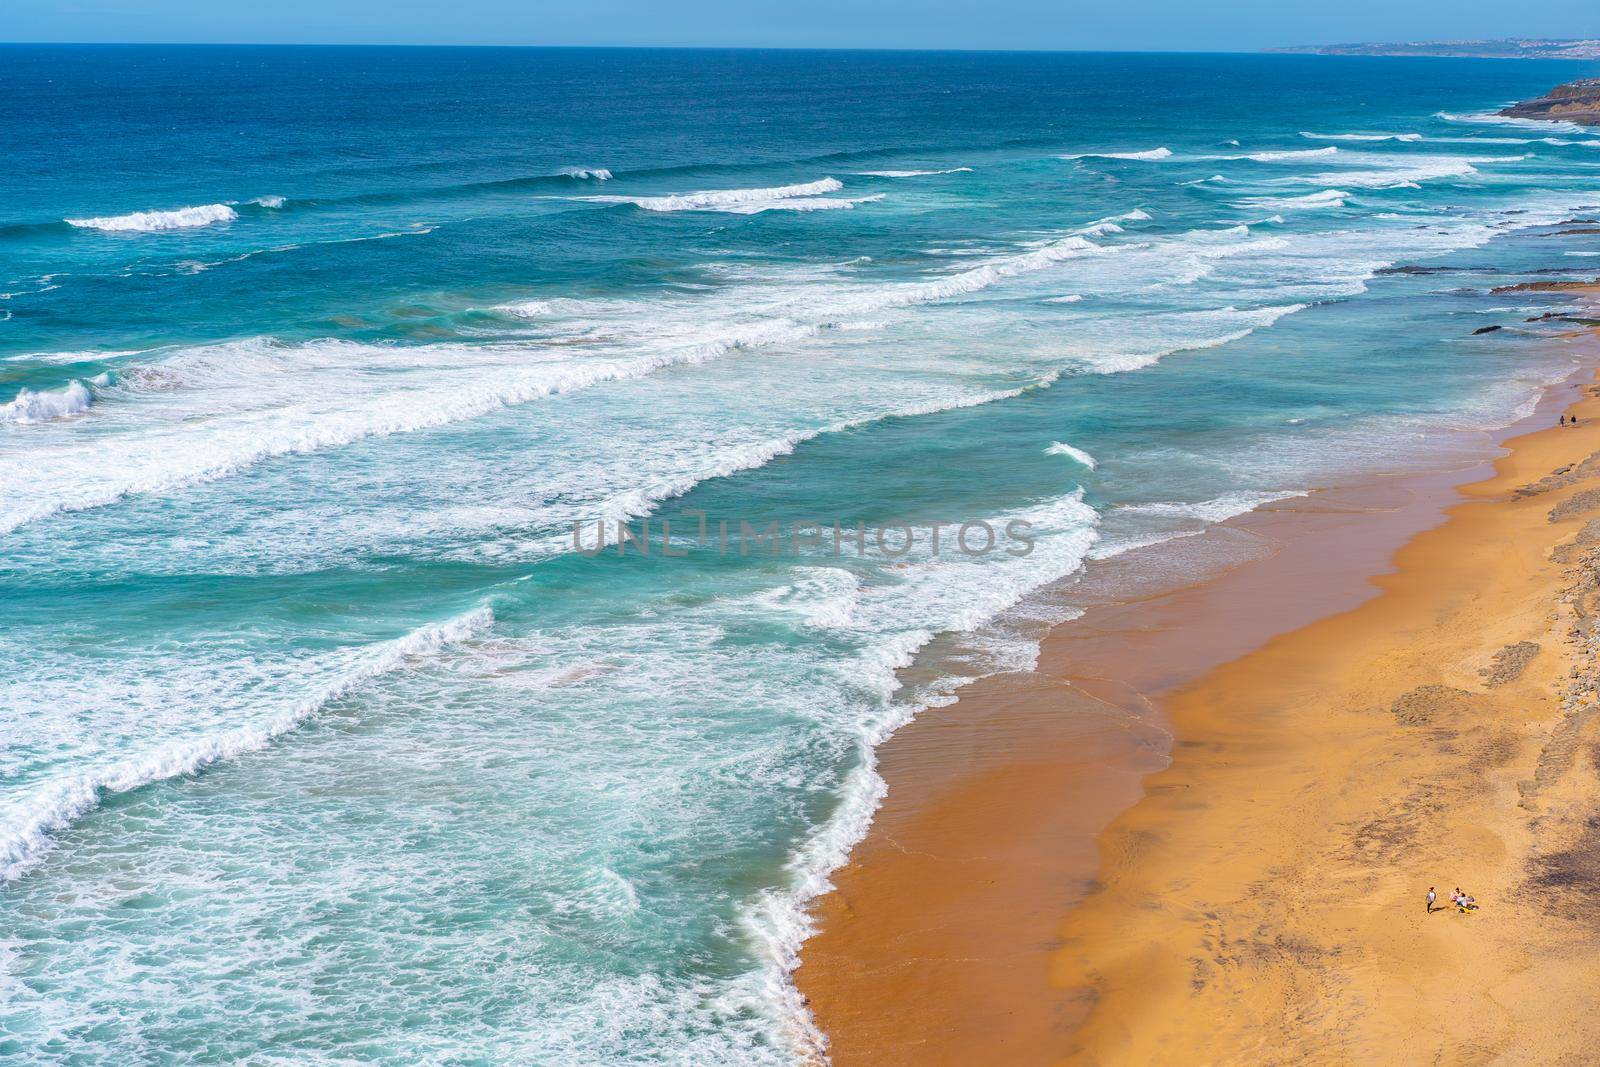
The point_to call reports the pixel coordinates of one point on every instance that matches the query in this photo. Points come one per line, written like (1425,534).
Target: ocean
(327,736)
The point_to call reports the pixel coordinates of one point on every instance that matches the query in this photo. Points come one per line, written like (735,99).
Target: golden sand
(1263,901)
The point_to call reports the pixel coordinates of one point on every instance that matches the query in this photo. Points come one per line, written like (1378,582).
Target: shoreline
(939,942)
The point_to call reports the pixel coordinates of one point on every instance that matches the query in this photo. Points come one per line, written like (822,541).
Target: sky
(1155,25)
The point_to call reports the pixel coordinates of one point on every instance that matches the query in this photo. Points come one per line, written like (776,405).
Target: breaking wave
(1485,118)
(1326,200)
(739,200)
(1058,449)
(1151,155)
(1288,154)
(911,173)
(1362,136)
(29,406)
(182,218)
(26,824)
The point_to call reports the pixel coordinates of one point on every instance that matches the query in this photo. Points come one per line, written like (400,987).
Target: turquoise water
(320,742)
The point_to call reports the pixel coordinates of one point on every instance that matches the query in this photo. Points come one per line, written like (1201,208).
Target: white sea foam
(1205,512)
(1285,156)
(975,279)
(268,201)
(1401,173)
(1362,136)
(172,457)
(943,596)
(1328,199)
(26,824)
(154,221)
(1215,510)
(1057,448)
(1149,156)
(1184,331)
(911,173)
(599,174)
(29,406)
(1068,298)
(560,305)
(821,597)
(1222,233)
(373,390)
(162,451)
(82,356)
(645,498)
(801,203)
(1484,118)
(1110,224)
(726,199)
(526,309)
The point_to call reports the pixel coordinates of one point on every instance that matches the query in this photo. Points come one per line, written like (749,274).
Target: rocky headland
(1576,101)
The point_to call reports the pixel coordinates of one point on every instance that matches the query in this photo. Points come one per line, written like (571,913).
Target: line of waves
(378,390)
(26,825)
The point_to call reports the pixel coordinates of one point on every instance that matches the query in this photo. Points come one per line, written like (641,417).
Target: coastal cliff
(1576,101)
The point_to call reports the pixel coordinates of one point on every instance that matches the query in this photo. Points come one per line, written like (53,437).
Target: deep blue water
(319,740)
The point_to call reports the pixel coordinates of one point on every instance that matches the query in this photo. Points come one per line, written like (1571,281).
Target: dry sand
(1263,901)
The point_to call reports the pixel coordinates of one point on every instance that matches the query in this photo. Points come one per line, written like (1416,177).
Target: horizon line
(1299,50)
(642,47)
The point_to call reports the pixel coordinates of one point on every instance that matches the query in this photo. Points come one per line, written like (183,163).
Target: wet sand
(1255,900)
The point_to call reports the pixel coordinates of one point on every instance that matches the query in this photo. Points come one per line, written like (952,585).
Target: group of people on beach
(1464,902)
(1569,420)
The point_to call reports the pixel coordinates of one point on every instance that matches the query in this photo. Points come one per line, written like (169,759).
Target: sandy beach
(1392,689)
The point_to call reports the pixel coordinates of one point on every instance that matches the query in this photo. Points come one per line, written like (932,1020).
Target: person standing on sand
(1432,896)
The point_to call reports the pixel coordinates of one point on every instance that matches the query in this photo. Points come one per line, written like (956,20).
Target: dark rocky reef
(1577,101)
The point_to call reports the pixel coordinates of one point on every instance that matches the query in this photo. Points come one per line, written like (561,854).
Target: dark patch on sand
(1574,870)
(1511,661)
(1423,705)
(1575,505)
(1560,477)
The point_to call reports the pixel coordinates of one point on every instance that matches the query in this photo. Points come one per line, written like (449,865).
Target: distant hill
(1512,48)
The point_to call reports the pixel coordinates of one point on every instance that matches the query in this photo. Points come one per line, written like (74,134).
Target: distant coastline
(1505,48)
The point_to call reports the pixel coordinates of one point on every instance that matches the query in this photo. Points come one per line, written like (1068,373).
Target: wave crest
(1326,200)
(741,200)
(26,825)
(911,173)
(1362,136)
(29,406)
(1286,154)
(182,218)
(1151,155)
(1057,448)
